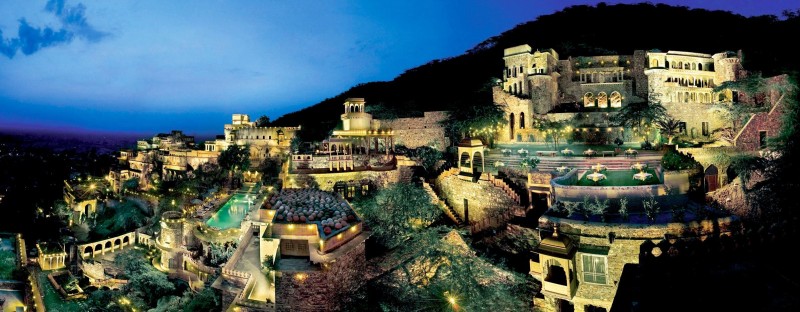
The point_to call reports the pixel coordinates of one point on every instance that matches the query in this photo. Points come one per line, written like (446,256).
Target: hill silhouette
(448,84)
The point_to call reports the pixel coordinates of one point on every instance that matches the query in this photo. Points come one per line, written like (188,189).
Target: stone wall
(694,114)
(483,199)
(639,63)
(748,138)
(512,105)
(626,247)
(327,289)
(419,131)
(326,181)
(720,157)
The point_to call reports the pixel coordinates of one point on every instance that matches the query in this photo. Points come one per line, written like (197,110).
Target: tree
(234,159)
(640,114)
(428,155)
(103,301)
(725,135)
(145,283)
(668,127)
(205,300)
(171,304)
(270,169)
(442,273)
(219,253)
(479,117)
(554,129)
(149,285)
(397,212)
(262,121)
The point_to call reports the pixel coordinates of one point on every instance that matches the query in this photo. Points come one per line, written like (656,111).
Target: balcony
(556,290)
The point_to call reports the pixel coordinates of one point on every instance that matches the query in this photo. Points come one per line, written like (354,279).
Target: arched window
(522,120)
(694,66)
(464,161)
(616,99)
(680,65)
(588,99)
(666,64)
(686,97)
(699,66)
(602,100)
(515,71)
(511,124)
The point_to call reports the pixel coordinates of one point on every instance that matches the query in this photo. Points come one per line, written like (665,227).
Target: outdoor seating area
(619,178)
(638,166)
(596,176)
(642,176)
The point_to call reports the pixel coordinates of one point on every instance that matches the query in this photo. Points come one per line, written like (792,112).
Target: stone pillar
(466,211)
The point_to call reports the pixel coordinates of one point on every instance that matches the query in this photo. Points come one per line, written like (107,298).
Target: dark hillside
(449,83)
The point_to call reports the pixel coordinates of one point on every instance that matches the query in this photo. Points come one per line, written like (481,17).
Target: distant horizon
(143,68)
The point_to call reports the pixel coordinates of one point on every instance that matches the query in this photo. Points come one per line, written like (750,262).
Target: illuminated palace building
(538,83)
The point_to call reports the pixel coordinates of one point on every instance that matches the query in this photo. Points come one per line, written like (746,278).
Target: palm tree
(668,127)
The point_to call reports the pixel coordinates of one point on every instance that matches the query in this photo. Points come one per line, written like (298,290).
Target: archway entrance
(477,165)
(712,178)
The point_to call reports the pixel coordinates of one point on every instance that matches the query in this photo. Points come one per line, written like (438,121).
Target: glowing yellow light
(291,226)
(451,299)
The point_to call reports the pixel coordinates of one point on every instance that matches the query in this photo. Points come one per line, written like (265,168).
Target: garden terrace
(566,188)
(619,178)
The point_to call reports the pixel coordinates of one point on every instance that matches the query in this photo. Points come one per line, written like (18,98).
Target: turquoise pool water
(232,213)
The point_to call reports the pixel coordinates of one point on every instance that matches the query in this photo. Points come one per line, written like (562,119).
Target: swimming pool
(232,213)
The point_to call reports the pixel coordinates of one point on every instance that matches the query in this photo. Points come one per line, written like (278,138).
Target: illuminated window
(594,268)
(588,99)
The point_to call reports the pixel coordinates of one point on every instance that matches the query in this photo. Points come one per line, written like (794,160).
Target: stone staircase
(442,203)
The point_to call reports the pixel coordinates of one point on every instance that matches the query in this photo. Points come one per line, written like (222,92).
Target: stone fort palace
(538,82)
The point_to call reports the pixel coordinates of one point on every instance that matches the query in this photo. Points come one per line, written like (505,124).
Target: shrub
(673,160)
(623,208)
(651,208)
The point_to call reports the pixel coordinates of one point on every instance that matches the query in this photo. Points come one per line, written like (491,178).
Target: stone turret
(354,117)
(727,66)
(170,240)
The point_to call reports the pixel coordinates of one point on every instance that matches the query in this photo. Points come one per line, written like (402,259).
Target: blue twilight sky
(151,66)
